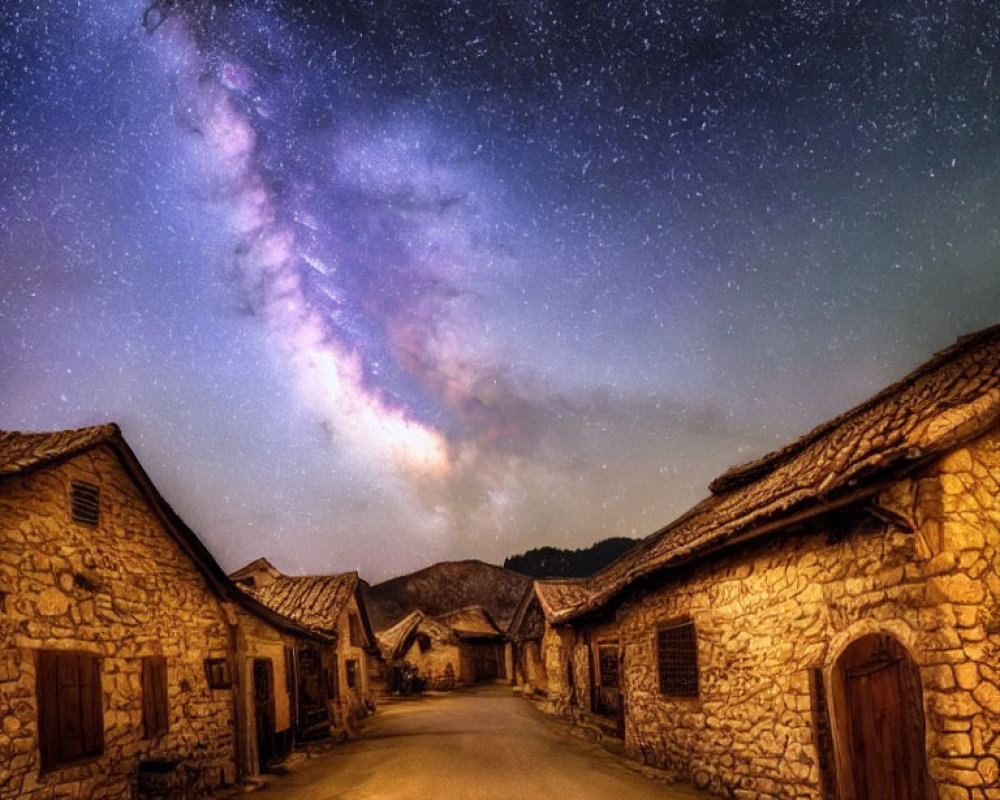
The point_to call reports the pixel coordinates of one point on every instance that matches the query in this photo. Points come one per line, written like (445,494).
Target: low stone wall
(768,613)
(121,591)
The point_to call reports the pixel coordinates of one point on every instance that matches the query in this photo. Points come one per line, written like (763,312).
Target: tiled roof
(259,565)
(24,451)
(394,642)
(315,601)
(560,595)
(470,623)
(20,452)
(948,401)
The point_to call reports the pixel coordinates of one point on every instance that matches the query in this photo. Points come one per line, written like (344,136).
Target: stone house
(826,624)
(119,633)
(453,649)
(334,689)
(573,669)
(543,653)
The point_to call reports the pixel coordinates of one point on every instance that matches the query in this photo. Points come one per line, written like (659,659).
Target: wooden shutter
(70,707)
(155,717)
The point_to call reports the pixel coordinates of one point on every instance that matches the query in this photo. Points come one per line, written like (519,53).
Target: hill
(445,587)
(552,562)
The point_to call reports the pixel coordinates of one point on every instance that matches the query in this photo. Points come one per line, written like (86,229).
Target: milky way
(375,284)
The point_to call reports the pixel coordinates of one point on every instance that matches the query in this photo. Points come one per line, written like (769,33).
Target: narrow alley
(480,743)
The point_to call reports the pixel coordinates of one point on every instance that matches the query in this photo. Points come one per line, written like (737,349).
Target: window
(351,668)
(218,674)
(677,652)
(85,502)
(70,707)
(357,637)
(155,720)
(607,662)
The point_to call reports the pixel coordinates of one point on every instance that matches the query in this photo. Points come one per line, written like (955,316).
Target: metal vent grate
(677,649)
(85,502)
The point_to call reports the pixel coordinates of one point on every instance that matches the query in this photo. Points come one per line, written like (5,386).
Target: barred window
(677,653)
(84,502)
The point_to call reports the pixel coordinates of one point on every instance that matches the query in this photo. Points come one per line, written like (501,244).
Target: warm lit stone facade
(354,695)
(334,684)
(120,590)
(454,649)
(924,568)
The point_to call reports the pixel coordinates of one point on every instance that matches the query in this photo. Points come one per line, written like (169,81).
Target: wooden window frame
(70,708)
(155,701)
(218,673)
(85,503)
(351,673)
(677,659)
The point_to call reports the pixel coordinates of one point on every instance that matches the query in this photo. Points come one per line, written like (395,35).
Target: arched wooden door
(881,722)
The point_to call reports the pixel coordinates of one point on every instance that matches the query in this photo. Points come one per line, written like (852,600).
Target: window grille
(677,651)
(85,502)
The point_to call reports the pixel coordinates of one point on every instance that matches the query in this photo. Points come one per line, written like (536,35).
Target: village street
(480,743)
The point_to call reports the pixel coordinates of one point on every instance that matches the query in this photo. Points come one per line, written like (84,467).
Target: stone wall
(530,668)
(769,612)
(557,652)
(258,639)
(352,704)
(122,590)
(439,666)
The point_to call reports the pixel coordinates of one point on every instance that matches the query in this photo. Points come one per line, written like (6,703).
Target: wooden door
(883,723)
(264,711)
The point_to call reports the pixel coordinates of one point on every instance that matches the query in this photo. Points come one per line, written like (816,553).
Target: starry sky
(375,284)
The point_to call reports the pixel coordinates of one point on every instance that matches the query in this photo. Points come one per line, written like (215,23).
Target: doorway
(264,711)
(881,721)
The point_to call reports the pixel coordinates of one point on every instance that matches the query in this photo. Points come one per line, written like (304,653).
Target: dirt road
(483,743)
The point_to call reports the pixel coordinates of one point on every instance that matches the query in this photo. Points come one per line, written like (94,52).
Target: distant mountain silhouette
(444,587)
(553,562)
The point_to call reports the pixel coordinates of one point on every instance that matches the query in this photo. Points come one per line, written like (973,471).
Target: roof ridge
(743,474)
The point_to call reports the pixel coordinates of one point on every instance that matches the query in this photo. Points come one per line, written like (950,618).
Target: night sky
(370,285)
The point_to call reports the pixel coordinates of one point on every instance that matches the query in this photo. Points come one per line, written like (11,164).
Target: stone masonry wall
(440,666)
(557,655)
(768,612)
(122,590)
(352,704)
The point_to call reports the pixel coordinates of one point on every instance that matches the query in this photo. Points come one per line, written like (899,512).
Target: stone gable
(120,590)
